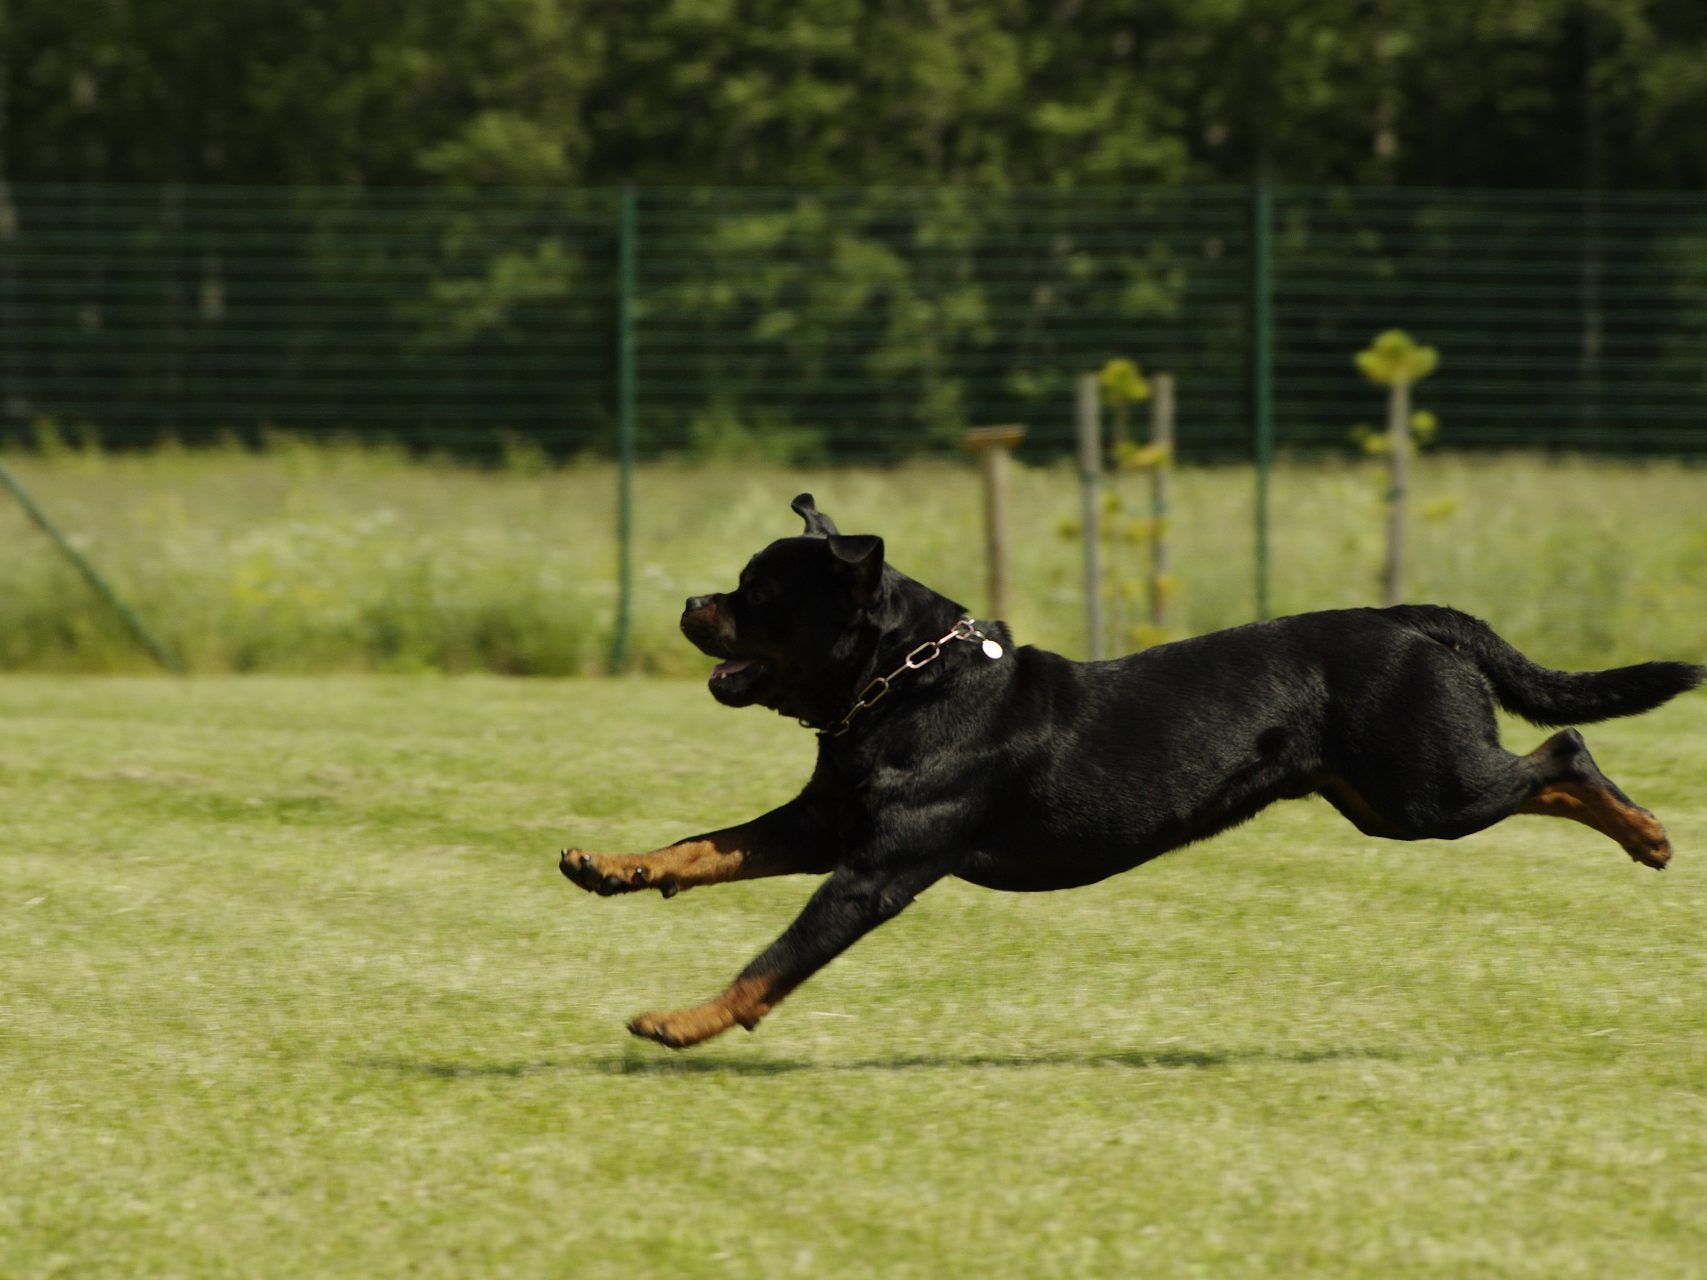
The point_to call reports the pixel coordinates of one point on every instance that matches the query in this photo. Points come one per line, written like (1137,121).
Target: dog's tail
(1540,694)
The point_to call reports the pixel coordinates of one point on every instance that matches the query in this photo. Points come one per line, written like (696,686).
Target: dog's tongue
(730,668)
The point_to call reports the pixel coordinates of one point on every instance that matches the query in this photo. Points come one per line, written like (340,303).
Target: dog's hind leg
(1572,786)
(1477,784)
(846,907)
(1429,788)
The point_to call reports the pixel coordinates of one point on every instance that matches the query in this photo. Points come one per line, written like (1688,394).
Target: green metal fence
(824,325)
(445,319)
(1575,321)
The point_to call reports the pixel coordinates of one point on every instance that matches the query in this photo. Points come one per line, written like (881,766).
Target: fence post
(1090,484)
(1262,372)
(625,262)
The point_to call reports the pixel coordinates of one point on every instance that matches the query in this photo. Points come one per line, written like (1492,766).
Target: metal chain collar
(922,656)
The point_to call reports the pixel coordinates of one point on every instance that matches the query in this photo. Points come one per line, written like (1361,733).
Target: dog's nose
(696,603)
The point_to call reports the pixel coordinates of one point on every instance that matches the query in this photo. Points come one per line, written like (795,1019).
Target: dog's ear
(858,561)
(818,525)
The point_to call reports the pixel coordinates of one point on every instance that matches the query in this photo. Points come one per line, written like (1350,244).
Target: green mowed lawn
(290,985)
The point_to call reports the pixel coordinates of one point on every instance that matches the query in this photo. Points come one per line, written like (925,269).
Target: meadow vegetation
(323,558)
(291,985)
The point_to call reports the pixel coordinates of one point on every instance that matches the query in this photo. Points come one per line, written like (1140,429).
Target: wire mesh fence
(868,325)
(446,320)
(823,326)
(1563,320)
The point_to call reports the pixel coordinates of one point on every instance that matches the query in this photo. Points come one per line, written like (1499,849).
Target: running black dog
(944,751)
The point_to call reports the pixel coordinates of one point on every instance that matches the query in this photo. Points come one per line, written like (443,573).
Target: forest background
(1542,93)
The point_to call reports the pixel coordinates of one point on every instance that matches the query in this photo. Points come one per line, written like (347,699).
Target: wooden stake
(1162,440)
(994,446)
(1089,429)
(1399,455)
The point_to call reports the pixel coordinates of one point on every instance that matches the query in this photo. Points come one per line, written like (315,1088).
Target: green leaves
(853,92)
(1122,383)
(1395,356)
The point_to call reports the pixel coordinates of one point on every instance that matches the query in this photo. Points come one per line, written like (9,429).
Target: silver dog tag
(991,649)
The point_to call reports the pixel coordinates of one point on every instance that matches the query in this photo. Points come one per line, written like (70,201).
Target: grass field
(311,559)
(290,986)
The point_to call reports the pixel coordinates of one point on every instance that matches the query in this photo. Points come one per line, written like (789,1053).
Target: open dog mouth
(738,679)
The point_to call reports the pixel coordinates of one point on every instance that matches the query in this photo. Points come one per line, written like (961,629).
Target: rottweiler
(944,750)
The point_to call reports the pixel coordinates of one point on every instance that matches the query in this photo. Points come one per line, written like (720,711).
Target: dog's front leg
(847,906)
(794,839)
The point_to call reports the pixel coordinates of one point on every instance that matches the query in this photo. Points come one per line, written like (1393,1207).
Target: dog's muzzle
(703,623)
(735,681)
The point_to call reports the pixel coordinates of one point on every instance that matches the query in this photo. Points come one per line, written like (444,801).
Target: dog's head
(794,621)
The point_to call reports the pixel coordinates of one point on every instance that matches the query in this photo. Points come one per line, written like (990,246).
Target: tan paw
(609,873)
(684,1027)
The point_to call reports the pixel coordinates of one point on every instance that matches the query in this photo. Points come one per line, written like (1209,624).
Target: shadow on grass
(642,1064)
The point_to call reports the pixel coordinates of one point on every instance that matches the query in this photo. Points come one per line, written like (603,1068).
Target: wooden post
(1399,456)
(1089,430)
(1162,440)
(994,446)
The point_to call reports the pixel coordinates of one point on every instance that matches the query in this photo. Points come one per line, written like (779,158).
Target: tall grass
(317,557)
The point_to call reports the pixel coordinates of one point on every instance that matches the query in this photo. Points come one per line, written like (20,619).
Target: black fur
(1032,772)
(1539,694)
